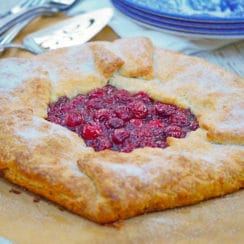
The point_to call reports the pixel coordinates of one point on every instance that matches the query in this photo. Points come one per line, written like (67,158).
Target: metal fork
(8,36)
(17,46)
(50,8)
(23,4)
(17,8)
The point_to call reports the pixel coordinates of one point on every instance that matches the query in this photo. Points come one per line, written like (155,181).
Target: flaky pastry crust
(107,186)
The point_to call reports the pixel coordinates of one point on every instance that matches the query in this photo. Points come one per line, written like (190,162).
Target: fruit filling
(109,118)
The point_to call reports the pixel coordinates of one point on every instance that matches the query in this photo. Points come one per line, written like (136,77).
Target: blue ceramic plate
(210,33)
(204,25)
(193,10)
(194,35)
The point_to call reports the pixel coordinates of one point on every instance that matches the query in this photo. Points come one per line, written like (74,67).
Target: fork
(8,36)
(52,7)
(17,8)
(17,46)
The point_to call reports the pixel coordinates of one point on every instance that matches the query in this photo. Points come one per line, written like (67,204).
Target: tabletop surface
(219,220)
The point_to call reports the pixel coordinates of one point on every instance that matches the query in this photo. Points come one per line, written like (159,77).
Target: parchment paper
(24,218)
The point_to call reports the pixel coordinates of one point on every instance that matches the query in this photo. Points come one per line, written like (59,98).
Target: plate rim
(208,18)
(183,23)
(184,32)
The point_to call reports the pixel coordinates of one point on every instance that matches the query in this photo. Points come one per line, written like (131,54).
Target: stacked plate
(205,18)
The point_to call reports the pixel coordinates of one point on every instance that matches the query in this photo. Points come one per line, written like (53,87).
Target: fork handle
(30,14)
(9,35)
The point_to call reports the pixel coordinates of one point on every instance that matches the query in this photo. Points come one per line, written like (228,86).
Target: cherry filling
(108,118)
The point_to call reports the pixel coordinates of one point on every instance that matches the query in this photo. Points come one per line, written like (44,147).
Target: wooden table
(24,219)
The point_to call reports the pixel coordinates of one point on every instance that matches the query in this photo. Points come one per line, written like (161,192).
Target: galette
(112,130)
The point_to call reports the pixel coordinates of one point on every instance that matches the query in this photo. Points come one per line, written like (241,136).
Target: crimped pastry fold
(107,186)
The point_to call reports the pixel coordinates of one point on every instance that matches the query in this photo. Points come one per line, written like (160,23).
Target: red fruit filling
(108,118)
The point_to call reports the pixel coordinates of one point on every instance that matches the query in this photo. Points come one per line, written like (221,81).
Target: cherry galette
(112,130)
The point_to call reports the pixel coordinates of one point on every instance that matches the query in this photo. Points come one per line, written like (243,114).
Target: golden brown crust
(24,85)
(214,95)
(78,69)
(107,186)
(154,179)
(137,55)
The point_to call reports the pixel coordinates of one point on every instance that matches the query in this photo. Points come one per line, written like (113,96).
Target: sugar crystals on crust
(106,186)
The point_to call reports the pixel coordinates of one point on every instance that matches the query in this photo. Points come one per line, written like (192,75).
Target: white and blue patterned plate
(182,27)
(206,25)
(193,10)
